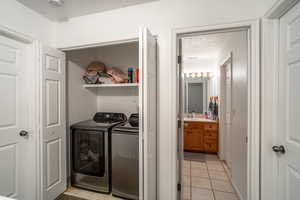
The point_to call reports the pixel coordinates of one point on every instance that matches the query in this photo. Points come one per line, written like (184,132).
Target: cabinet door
(53,142)
(148,116)
(197,139)
(188,138)
(210,145)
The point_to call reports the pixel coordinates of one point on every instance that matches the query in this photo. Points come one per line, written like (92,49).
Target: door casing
(224,127)
(107,44)
(253,127)
(269,93)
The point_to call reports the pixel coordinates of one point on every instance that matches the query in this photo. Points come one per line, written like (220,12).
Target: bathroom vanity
(201,135)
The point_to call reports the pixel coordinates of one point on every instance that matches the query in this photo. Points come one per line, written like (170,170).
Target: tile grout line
(210,181)
(190,180)
(229,179)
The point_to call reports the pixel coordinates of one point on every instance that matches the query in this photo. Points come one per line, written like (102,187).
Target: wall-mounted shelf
(111,85)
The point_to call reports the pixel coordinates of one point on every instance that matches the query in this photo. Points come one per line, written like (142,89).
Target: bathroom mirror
(196,94)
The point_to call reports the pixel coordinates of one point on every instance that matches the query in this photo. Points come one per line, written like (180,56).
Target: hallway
(206,180)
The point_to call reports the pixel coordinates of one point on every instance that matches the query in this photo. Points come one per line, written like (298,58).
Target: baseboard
(232,183)
(228,172)
(236,190)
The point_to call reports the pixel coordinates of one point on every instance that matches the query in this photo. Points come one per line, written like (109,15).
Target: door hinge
(179,123)
(179,187)
(246,139)
(179,59)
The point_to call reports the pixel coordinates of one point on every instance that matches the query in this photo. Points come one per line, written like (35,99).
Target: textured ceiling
(76,8)
(201,53)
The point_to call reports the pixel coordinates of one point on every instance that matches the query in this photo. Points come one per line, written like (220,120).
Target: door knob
(279,149)
(23,133)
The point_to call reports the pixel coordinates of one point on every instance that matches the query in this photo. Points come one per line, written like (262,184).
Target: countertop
(188,119)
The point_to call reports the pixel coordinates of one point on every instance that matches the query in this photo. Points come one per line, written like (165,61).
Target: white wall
(19,18)
(214,85)
(161,17)
(125,99)
(237,44)
(83,103)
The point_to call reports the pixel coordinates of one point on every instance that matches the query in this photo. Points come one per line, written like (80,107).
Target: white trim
(236,190)
(253,103)
(99,44)
(141,112)
(112,85)
(226,60)
(222,141)
(269,80)
(280,8)
(4,31)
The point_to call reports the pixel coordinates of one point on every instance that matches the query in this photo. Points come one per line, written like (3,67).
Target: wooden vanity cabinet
(201,136)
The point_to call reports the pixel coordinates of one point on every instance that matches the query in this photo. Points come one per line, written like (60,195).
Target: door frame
(253,149)
(269,95)
(100,44)
(223,125)
(32,52)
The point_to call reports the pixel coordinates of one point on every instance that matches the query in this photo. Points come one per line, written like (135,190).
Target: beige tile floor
(206,180)
(88,195)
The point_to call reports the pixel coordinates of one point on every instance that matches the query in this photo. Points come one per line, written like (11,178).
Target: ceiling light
(56,3)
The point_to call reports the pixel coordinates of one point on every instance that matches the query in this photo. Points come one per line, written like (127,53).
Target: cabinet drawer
(188,131)
(208,139)
(212,134)
(211,127)
(210,147)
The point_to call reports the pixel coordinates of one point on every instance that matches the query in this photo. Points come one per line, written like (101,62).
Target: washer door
(88,152)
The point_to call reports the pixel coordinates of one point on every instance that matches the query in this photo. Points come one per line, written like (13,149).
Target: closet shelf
(111,85)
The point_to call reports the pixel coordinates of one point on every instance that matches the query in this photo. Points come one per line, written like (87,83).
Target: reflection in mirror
(196,94)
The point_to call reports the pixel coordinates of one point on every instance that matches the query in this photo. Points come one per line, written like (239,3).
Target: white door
(53,124)
(16,139)
(148,117)
(228,136)
(289,107)
(180,87)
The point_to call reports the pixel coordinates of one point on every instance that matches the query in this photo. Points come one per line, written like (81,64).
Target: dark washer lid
(102,120)
(134,120)
(107,117)
(92,125)
(126,129)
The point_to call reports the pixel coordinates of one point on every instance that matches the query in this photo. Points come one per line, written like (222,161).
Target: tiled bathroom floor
(206,180)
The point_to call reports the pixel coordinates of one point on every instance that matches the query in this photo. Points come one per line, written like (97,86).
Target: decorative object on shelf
(130,75)
(117,75)
(105,79)
(136,76)
(96,73)
(93,72)
(96,66)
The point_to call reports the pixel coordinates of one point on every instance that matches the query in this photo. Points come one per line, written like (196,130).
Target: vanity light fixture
(199,74)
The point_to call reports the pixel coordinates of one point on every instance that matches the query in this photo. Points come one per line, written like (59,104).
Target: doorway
(211,163)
